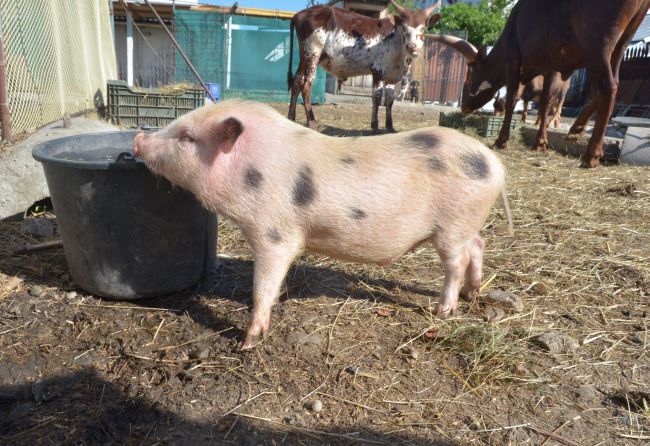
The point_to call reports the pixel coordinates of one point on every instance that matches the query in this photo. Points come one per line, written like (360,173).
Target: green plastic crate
(486,126)
(149,106)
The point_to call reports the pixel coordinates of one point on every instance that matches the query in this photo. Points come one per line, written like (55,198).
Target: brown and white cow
(349,44)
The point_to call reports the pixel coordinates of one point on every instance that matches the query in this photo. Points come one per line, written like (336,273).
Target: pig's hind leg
(270,268)
(455,261)
(474,272)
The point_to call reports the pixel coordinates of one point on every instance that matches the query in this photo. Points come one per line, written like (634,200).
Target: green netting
(248,56)
(203,39)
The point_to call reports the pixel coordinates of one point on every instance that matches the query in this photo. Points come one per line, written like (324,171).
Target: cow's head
(413,23)
(479,87)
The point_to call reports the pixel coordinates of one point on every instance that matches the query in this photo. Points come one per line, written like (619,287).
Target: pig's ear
(227,132)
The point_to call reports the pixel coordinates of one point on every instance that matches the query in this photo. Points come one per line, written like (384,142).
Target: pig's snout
(138,143)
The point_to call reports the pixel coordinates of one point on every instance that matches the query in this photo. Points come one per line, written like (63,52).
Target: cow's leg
(580,123)
(605,90)
(389,93)
(296,87)
(377,91)
(474,271)
(512,96)
(310,74)
(558,109)
(541,142)
(524,113)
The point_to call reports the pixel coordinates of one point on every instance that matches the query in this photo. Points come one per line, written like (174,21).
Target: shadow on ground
(338,131)
(82,408)
(232,280)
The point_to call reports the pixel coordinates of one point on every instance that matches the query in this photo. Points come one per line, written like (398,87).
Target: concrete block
(22,181)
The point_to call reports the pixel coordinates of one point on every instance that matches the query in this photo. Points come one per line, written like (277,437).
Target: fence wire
(59,55)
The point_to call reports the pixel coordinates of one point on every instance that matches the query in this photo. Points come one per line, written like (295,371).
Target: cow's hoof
(577,130)
(575,137)
(542,147)
(391,130)
(500,145)
(590,164)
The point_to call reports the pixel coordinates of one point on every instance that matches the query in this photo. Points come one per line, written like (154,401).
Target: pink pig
(367,199)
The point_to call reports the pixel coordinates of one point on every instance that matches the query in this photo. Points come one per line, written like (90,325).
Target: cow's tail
(289,73)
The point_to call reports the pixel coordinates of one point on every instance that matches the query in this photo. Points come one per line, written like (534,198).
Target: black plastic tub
(126,233)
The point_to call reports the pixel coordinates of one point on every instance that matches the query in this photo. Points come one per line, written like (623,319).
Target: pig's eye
(187,138)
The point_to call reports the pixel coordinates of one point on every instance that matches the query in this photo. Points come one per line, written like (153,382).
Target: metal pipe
(129,49)
(180,50)
(5,115)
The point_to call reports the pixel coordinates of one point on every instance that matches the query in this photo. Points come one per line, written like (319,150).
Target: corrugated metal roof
(643,31)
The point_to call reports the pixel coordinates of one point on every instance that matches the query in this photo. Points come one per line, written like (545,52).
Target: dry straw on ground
(361,339)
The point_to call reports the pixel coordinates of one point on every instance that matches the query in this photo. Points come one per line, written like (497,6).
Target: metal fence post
(5,115)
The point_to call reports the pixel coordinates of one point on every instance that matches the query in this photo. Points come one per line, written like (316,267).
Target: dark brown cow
(349,44)
(542,36)
(532,91)
(557,93)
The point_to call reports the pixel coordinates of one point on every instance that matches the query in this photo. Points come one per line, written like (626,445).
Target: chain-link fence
(247,55)
(59,54)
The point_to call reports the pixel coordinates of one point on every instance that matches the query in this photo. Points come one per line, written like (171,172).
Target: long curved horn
(432,8)
(400,9)
(462,46)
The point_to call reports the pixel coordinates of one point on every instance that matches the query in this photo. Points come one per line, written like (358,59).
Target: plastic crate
(149,107)
(492,126)
(486,126)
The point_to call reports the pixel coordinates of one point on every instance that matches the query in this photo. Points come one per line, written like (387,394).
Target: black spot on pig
(358,214)
(304,190)
(273,235)
(474,166)
(347,160)
(253,177)
(436,164)
(424,140)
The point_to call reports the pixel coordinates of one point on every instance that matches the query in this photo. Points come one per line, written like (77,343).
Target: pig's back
(383,193)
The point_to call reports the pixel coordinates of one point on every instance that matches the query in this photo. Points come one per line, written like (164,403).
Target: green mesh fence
(203,39)
(248,56)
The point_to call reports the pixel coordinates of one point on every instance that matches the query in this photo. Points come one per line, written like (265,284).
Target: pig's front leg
(271,265)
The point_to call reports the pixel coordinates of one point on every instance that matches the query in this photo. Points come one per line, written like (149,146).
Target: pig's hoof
(258,326)
(468,294)
(248,344)
(443,312)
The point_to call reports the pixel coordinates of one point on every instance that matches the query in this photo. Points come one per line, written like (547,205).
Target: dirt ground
(360,339)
